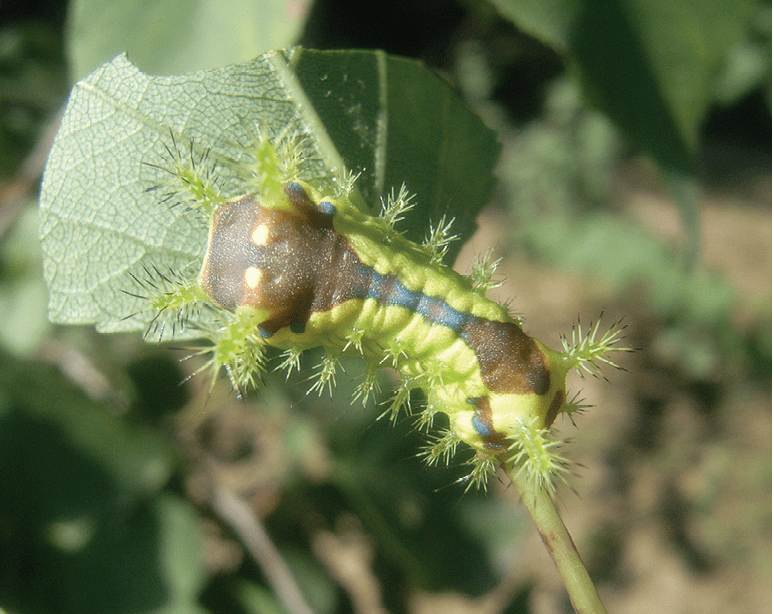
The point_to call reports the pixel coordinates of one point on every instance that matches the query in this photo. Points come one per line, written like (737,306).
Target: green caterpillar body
(295,267)
(310,273)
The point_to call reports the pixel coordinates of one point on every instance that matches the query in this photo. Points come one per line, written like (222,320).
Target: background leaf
(547,20)
(98,222)
(651,65)
(167,37)
(79,493)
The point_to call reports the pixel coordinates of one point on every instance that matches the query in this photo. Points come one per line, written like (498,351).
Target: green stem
(537,500)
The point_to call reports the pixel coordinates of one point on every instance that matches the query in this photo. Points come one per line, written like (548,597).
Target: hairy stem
(537,500)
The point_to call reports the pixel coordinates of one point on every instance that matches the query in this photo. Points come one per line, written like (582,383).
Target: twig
(14,191)
(557,540)
(248,527)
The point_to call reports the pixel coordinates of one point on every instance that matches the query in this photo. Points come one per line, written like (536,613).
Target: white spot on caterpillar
(253,277)
(261,235)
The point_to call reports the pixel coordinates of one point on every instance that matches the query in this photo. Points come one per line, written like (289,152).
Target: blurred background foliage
(635,176)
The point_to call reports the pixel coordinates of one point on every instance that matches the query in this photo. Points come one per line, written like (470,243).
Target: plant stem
(538,501)
(249,528)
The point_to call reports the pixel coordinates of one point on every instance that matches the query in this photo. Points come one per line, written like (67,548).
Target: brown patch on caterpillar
(510,360)
(482,423)
(289,262)
(553,409)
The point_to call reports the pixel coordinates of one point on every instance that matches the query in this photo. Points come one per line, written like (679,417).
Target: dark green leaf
(166,37)
(395,122)
(650,64)
(85,527)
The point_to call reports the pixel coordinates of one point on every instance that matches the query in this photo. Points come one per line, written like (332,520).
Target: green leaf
(23,294)
(651,65)
(167,37)
(99,222)
(67,451)
(151,562)
(86,526)
(256,599)
(547,20)
(396,122)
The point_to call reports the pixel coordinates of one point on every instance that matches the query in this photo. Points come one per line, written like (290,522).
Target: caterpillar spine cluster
(296,266)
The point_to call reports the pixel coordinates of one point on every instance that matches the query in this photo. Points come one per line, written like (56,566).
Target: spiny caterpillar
(296,266)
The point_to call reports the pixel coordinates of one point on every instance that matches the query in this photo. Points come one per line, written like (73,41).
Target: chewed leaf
(100,222)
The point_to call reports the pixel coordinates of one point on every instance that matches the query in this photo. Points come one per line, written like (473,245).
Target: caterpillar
(295,266)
